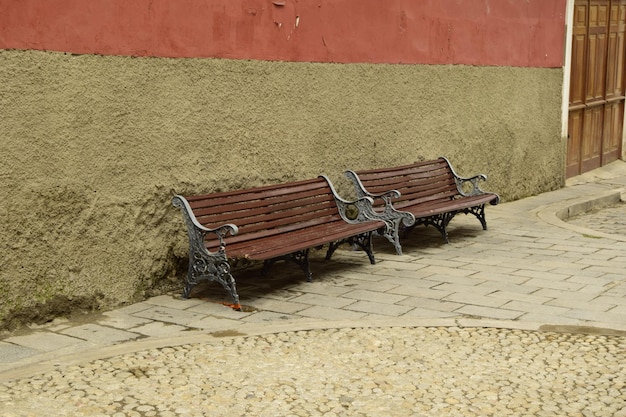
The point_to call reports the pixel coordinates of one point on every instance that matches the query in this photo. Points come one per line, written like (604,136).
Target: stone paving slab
(43,341)
(96,333)
(11,352)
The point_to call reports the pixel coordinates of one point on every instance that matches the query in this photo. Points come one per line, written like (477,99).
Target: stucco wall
(94,147)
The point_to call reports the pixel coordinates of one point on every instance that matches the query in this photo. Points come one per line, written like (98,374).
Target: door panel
(615,56)
(613,126)
(597,49)
(592,137)
(575,123)
(577,80)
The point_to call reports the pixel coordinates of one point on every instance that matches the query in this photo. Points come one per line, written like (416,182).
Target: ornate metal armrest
(470,186)
(362,209)
(203,264)
(391,214)
(467,186)
(356,211)
(196,231)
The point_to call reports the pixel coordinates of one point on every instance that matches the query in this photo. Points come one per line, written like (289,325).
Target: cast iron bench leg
(201,269)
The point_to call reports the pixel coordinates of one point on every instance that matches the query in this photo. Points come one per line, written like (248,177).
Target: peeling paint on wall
(474,32)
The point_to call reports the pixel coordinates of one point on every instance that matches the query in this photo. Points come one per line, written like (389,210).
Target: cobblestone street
(366,372)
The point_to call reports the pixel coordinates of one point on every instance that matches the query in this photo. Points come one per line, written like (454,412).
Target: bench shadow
(284,280)
(423,239)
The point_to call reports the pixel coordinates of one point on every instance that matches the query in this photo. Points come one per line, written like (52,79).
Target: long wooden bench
(271,223)
(426,192)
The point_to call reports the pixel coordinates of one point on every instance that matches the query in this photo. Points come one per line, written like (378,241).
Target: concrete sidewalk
(530,271)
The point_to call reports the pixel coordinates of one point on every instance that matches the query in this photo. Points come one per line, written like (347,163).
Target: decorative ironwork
(240,264)
(203,264)
(479,212)
(469,186)
(363,240)
(394,219)
(441,221)
(351,212)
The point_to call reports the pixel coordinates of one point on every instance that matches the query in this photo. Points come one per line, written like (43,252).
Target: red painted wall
(475,32)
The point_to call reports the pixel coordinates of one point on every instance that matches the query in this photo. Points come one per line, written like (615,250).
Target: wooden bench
(271,223)
(427,192)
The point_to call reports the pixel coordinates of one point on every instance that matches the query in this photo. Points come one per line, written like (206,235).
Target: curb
(556,213)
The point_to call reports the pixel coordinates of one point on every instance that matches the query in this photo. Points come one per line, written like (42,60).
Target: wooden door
(596,107)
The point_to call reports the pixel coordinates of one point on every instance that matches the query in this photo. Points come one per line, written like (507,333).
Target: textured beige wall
(94,147)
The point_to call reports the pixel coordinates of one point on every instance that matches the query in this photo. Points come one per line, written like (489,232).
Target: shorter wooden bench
(271,223)
(427,192)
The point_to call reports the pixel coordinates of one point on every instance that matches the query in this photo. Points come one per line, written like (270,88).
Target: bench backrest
(421,181)
(269,210)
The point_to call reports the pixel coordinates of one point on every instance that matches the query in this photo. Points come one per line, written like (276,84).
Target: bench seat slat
(279,221)
(280,245)
(286,228)
(425,195)
(439,206)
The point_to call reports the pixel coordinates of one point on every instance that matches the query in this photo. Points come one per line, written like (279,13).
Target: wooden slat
(401,178)
(276,220)
(419,198)
(269,247)
(414,172)
(251,194)
(260,214)
(435,186)
(423,170)
(416,166)
(208,207)
(288,239)
(272,229)
(420,190)
(212,206)
(440,206)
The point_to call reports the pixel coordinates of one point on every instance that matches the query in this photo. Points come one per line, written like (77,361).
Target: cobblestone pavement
(525,319)
(344,372)
(610,219)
